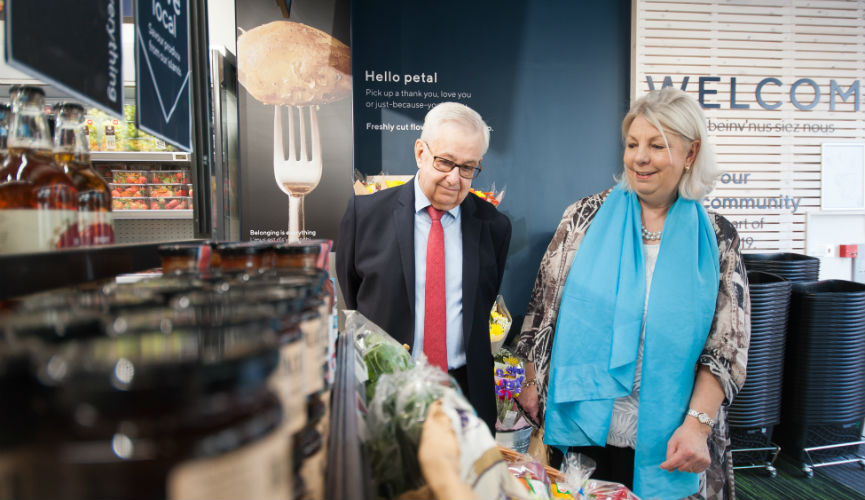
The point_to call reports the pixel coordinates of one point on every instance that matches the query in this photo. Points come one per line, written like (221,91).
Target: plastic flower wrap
(373,183)
(510,374)
(491,196)
(500,324)
(578,470)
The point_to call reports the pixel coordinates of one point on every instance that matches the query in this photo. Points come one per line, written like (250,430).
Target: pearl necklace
(651,235)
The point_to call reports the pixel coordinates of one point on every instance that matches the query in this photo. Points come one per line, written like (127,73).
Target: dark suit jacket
(375,268)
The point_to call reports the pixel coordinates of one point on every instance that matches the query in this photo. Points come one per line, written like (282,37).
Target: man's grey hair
(455,112)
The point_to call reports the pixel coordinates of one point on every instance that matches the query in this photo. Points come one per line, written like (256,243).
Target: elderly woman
(637,330)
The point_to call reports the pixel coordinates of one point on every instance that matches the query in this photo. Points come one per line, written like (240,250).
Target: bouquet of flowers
(491,196)
(509,377)
(500,324)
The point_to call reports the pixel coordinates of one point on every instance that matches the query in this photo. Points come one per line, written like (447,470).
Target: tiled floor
(851,475)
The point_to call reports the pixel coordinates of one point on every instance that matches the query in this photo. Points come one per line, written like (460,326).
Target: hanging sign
(162,70)
(73,46)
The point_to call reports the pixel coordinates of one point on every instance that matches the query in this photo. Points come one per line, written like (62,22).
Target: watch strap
(701,417)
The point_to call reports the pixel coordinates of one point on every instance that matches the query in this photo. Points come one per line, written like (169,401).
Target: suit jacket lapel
(471,228)
(404,221)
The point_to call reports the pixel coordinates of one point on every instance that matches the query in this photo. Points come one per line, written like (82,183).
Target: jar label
(95,228)
(314,365)
(261,470)
(287,383)
(16,476)
(34,230)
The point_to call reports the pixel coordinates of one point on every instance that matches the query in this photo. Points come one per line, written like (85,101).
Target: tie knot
(435,213)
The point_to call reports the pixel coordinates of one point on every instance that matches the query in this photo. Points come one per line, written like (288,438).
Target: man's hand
(688,449)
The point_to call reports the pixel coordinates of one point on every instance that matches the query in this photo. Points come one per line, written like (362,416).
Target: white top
(623,423)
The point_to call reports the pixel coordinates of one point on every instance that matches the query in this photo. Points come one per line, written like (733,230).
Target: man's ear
(419,148)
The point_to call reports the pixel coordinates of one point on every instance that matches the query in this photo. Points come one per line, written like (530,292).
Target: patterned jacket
(726,349)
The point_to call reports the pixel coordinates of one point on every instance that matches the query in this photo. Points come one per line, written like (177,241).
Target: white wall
(222,25)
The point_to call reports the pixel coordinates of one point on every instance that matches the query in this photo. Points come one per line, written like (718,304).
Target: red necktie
(435,313)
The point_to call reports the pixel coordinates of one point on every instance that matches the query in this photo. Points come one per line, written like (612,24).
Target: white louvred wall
(771,157)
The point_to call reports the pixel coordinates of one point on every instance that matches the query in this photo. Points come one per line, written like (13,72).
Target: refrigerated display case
(158,210)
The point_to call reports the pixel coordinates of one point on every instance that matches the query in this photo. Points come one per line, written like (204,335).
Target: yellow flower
(496,331)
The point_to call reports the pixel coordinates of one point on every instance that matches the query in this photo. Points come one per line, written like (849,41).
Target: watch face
(703,418)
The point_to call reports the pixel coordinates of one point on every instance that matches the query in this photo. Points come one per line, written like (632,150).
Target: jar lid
(238,249)
(151,359)
(298,248)
(51,326)
(180,250)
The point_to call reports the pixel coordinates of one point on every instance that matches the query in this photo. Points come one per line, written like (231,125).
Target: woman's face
(653,168)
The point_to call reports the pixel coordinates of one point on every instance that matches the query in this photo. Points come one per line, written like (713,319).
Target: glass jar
(297,255)
(38,202)
(239,257)
(163,405)
(185,258)
(72,154)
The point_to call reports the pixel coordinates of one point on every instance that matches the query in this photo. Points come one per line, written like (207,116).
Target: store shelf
(151,214)
(34,272)
(140,156)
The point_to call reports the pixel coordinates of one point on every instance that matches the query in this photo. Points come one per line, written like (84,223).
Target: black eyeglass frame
(445,166)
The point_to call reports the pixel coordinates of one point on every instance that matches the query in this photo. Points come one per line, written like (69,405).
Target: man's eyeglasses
(445,165)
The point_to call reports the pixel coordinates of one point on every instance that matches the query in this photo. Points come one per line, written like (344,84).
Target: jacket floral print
(725,352)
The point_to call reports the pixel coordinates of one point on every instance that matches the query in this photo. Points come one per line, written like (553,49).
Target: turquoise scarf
(598,334)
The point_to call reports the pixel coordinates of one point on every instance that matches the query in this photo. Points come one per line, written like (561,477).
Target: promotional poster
(551,80)
(294,97)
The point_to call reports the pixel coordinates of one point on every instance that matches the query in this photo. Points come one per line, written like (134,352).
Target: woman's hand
(528,399)
(688,448)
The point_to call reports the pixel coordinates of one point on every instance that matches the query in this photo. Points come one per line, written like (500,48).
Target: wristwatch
(701,417)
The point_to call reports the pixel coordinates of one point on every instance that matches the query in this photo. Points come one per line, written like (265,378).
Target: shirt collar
(421,201)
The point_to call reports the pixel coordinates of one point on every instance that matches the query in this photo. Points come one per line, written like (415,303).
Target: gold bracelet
(530,382)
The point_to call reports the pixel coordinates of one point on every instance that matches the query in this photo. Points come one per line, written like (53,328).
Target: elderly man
(425,260)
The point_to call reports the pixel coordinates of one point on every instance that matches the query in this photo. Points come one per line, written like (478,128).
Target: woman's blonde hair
(672,110)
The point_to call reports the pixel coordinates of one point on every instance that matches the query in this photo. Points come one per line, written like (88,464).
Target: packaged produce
(129,118)
(532,475)
(110,135)
(395,418)
(92,134)
(118,203)
(171,203)
(381,354)
(578,470)
(129,190)
(165,190)
(169,177)
(129,176)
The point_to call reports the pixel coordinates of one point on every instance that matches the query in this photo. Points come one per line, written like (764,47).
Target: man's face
(453,142)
